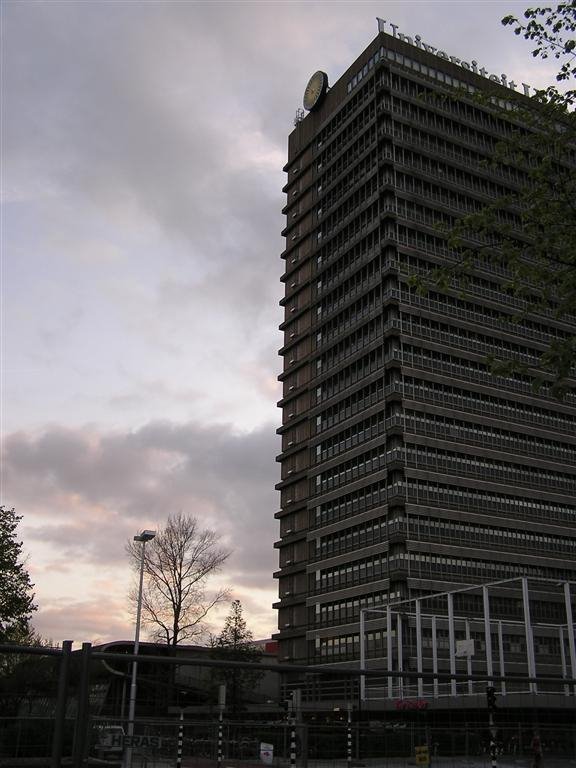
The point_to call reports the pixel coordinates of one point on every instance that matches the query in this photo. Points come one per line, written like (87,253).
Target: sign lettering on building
(417,704)
(470,66)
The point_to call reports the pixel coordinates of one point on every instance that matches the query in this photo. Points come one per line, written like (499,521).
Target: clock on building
(315,90)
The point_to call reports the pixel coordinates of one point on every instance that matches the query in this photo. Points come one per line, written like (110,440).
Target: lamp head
(145,536)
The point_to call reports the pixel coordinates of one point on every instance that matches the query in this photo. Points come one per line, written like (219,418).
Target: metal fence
(53,713)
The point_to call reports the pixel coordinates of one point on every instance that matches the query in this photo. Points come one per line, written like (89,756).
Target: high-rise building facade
(407,467)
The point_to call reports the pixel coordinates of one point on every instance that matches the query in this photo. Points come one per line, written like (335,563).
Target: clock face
(315,90)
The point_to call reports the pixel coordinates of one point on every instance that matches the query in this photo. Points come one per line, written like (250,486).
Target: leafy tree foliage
(529,233)
(16,608)
(27,682)
(235,643)
(178,564)
(16,596)
(547,27)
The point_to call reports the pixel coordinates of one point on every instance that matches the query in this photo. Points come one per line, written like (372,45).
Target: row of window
(501,608)
(460,204)
(478,500)
(450,396)
(342,139)
(347,575)
(473,341)
(373,495)
(438,303)
(436,246)
(480,314)
(357,371)
(347,611)
(491,470)
(420,115)
(381,53)
(335,195)
(438,169)
(348,234)
(361,150)
(348,206)
(384,54)
(445,196)
(352,539)
(376,641)
(358,145)
(350,345)
(332,270)
(351,316)
(364,430)
(468,370)
(443,495)
(357,283)
(353,469)
(420,527)
(461,110)
(432,566)
(462,154)
(424,528)
(443,427)
(345,111)
(361,400)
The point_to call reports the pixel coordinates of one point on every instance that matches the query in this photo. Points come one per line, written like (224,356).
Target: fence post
(60,712)
(221,706)
(292,739)
(349,736)
(83,712)
(180,739)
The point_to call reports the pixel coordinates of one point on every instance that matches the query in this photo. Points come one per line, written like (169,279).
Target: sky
(142,148)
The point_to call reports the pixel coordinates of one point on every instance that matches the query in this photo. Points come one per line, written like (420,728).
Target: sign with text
(411,704)
(471,66)
(120,740)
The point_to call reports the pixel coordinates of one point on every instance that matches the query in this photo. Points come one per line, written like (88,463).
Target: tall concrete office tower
(406,467)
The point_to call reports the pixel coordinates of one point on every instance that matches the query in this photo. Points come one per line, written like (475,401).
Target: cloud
(84,492)
(96,620)
(143,145)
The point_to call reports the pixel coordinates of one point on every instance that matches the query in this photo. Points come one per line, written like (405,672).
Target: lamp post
(143,537)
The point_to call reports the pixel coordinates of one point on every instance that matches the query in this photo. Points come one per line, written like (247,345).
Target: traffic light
(491,698)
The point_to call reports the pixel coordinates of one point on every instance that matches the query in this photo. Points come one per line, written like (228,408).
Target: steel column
(570,631)
(400,655)
(434,656)
(501,658)
(389,648)
(419,647)
(469,660)
(528,633)
(362,653)
(563,659)
(487,634)
(451,642)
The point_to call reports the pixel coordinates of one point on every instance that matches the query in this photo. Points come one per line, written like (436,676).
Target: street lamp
(143,537)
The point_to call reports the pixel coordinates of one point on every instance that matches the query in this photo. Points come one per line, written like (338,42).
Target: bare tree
(177,566)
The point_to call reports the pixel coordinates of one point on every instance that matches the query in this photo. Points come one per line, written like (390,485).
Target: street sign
(422,755)
(266,753)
